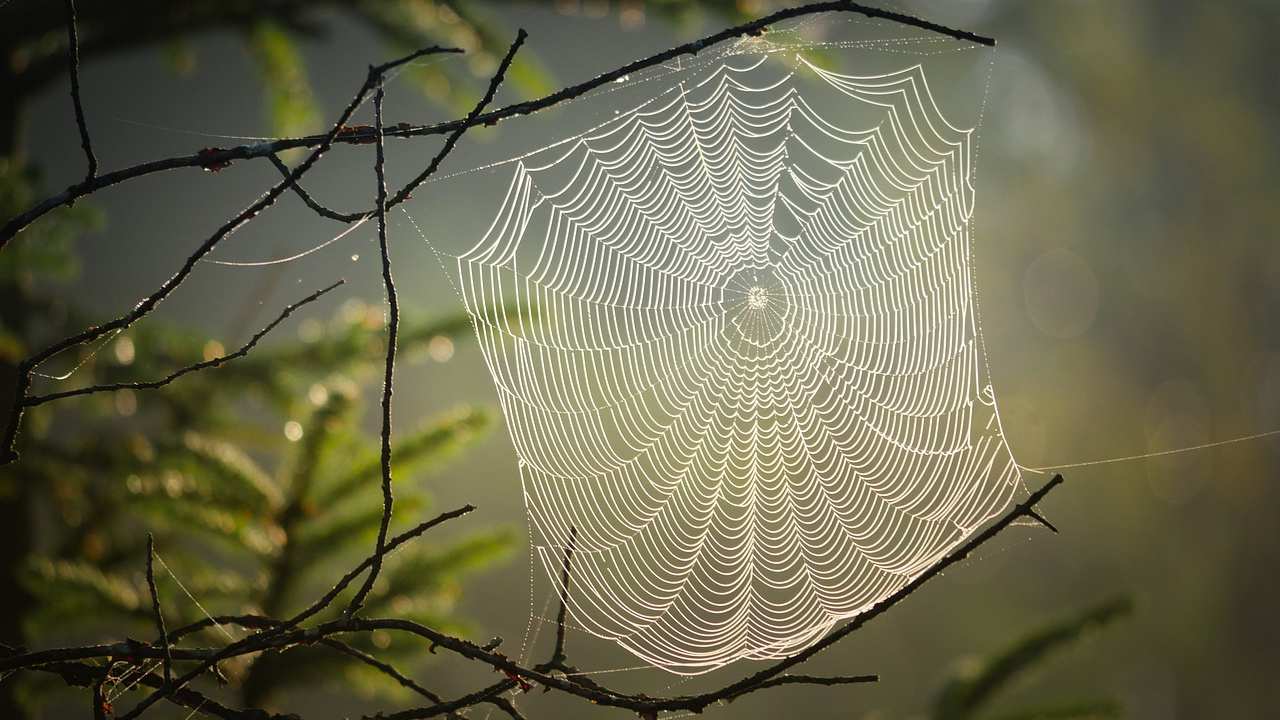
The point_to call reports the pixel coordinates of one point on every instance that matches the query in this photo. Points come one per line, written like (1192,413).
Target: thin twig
(559,661)
(1041,519)
(486,694)
(34,400)
(816,680)
(468,122)
(221,156)
(393,307)
(130,649)
(73,60)
(389,369)
(405,192)
(325,600)
(310,201)
(751,683)
(382,667)
(155,609)
(557,655)
(1019,511)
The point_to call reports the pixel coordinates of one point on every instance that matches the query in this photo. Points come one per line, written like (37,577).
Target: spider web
(754,385)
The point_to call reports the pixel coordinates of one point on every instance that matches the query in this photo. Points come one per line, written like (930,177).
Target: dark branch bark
(558,657)
(73,60)
(393,306)
(156,613)
(468,122)
(388,378)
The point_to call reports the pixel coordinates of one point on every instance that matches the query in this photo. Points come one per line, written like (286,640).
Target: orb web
(754,387)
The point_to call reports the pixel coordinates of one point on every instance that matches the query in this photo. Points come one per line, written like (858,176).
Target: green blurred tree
(205,466)
(976,683)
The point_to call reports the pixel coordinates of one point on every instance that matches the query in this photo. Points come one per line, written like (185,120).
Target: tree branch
(558,657)
(87,675)
(73,61)
(34,400)
(310,201)
(155,609)
(388,379)
(223,156)
(468,122)
(393,307)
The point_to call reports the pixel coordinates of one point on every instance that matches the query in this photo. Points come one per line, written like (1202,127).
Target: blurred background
(1127,269)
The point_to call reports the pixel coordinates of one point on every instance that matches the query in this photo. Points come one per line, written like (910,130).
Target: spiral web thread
(755,387)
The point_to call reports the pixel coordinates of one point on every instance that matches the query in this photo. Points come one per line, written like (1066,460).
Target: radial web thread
(753,384)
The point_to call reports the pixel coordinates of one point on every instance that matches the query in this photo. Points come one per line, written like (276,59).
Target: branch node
(213,159)
(1031,513)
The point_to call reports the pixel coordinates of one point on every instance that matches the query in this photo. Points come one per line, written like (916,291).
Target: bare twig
(405,192)
(325,600)
(557,654)
(815,680)
(131,649)
(388,378)
(222,156)
(259,622)
(1031,513)
(487,694)
(559,661)
(157,614)
(393,307)
(469,121)
(73,61)
(756,681)
(382,667)
(310,201)
(34,400)
(1019,511)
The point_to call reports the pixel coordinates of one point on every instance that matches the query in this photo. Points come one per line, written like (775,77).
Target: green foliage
(246,518)
(971,690)
(291,105)
(44,256)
